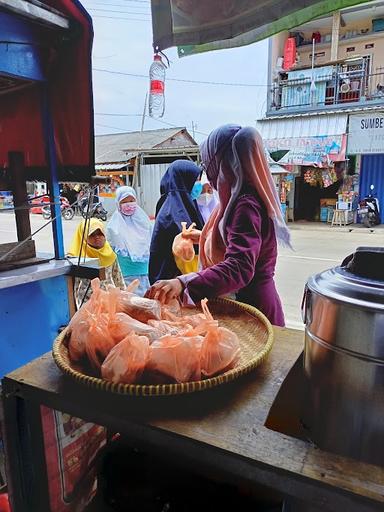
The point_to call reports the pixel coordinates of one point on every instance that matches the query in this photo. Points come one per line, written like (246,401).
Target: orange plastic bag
(99,341)
(77,331)
(132,286)
(169,327)
(177,357)
(126,361)
(78,338)
(120,325)
(171,311)
(183,247)
(98,298)
(138,307)
(220,349)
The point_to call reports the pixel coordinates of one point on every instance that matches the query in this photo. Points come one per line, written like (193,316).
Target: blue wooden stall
(46,121)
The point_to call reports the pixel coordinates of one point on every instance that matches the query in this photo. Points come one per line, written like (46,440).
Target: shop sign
(366,134)
(318,151)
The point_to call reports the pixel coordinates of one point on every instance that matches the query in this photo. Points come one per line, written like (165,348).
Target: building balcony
(334,87)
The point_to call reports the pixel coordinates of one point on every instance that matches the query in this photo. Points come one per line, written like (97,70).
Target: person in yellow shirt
(93,244)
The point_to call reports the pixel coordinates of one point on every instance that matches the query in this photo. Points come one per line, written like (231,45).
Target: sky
(123,44)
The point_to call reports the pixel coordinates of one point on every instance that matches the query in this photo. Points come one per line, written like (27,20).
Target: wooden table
(221,431)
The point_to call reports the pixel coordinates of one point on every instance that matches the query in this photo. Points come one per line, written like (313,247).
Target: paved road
(315,250)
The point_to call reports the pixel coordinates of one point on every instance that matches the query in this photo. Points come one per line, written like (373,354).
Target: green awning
(196,26)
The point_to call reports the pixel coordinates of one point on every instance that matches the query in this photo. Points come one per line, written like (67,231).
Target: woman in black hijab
(174,206)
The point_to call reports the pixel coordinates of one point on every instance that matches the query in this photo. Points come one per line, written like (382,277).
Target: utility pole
(144,112)
(193,129)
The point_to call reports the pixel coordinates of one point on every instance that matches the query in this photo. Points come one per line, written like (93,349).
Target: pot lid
(358,281)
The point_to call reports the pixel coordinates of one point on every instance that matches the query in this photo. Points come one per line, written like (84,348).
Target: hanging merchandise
(156,87)
(313,177)
(329,177)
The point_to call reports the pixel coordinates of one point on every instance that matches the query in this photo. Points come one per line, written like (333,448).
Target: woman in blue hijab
(175,205)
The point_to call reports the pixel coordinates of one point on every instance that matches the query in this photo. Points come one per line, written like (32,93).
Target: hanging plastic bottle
(156,88)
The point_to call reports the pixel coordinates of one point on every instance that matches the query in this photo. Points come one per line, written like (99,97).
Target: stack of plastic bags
(129,339)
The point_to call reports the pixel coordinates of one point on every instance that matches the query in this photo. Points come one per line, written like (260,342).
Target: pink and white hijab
(233,157)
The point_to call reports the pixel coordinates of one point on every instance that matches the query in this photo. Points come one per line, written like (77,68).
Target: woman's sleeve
(243,249)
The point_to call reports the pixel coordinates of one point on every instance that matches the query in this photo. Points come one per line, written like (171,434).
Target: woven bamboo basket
(251,326)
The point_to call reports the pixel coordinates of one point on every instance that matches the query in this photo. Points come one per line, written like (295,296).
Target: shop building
(323,75)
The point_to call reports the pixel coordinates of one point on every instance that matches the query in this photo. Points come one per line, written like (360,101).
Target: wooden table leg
(25,456)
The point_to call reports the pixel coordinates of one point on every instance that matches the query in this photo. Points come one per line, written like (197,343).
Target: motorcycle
(67,212)
(96,210)
(369,210)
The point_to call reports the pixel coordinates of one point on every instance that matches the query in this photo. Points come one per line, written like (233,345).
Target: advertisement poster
(318,151)
(71,446)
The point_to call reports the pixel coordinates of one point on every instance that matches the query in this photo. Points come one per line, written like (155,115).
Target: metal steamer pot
(343,311)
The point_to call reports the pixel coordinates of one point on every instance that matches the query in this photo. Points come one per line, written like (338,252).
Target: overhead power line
(111,127)
(119,12)
(175,125)
(147,117)
(116,115)
(120,19)
(103,4)
(204,82)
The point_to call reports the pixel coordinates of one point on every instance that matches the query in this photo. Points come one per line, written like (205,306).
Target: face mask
(128,208)
(204,199)
(196,190)
(216,196)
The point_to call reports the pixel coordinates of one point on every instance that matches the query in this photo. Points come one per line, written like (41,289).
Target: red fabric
(289,53)
(69,76)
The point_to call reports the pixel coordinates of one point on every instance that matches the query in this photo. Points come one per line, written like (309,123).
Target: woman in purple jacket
(238,245)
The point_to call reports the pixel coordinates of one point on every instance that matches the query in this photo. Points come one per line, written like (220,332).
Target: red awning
(68,71)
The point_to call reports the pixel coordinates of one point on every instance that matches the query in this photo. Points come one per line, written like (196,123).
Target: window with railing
(347,82)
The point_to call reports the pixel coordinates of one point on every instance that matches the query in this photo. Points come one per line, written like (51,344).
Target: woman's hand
(165,291)
(193,235)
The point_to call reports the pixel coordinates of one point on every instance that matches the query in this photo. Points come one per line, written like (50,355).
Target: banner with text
(320,151)
(366,134)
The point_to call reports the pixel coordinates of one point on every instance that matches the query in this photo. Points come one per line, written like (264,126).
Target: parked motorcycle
(369,210)
(67,212)
(96,210)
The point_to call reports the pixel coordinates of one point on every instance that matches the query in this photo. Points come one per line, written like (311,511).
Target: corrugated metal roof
(331,124)
(110,167)
(114,147)
(326,112)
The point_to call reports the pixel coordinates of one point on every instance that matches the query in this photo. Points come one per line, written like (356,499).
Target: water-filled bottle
(156,88)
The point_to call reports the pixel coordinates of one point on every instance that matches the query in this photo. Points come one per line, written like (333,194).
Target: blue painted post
(50,148)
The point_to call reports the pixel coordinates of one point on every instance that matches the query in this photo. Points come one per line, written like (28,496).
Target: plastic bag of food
(126,361)
(98,298)
(169,327)
(78,328)
(183,247)
(132,286)
(138,307)
(171,311)
(99,341)
(220,349)
(177,357)
(120,325)
(78,338)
